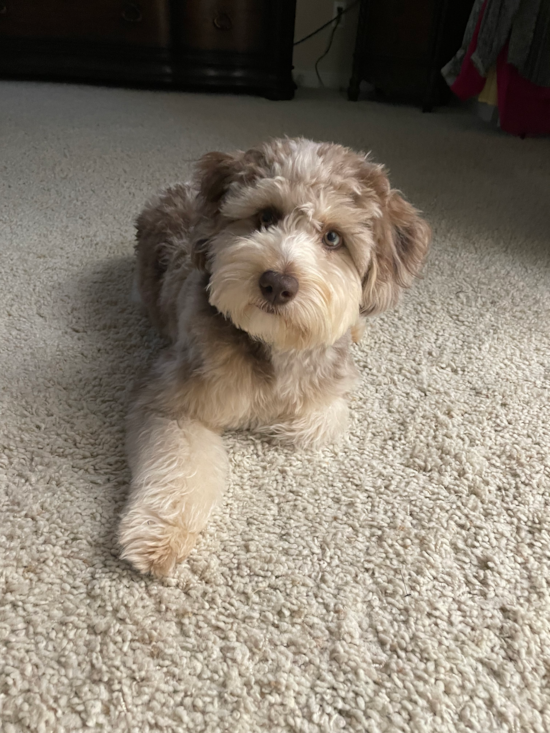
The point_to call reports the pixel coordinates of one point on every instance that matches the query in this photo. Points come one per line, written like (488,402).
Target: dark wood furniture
(402,45)
(186,44)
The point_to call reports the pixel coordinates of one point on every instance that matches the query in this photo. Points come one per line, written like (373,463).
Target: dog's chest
(316,376)
(243,382)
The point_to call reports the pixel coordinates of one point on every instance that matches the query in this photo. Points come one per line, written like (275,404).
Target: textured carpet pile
(397,583)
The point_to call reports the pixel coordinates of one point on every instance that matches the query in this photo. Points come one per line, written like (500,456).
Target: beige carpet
(400,583)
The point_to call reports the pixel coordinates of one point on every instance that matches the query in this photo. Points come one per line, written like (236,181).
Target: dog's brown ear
(401,240)
(214,173)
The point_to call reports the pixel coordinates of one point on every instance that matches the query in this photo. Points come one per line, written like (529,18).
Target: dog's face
(300,237)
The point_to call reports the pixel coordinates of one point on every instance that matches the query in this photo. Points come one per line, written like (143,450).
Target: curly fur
(236,361)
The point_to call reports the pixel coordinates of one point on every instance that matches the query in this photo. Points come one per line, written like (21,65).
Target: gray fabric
(525,22)
(452,69)
(522,32)
(494,32)
(529,49)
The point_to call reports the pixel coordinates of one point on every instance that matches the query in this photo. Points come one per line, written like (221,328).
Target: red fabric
(470,83)
(524,107)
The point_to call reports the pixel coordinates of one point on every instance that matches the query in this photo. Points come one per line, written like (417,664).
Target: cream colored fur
(237,360)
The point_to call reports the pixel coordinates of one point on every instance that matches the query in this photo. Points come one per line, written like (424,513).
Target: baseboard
(331,79)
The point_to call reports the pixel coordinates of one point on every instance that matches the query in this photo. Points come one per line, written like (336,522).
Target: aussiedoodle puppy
(260,272)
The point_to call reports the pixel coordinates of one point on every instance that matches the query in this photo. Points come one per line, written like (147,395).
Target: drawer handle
(131,13)
(223,22)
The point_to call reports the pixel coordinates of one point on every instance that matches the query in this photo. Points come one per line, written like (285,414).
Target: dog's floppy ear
(214,173)
(401,241)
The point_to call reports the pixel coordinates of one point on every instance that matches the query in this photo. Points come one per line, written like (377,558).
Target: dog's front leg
(314,427)
(179,469)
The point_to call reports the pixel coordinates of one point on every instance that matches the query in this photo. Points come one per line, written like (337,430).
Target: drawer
(139,22)
(241,26)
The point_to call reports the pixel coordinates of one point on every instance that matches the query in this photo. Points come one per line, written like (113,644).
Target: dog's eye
(267,217)
(332,239)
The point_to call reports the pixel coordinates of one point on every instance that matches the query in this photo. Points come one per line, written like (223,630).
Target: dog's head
(300,237)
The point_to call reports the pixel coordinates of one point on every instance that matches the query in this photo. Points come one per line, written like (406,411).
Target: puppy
(259,272)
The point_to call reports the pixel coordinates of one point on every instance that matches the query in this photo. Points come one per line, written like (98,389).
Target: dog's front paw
(153,545)
(313,429)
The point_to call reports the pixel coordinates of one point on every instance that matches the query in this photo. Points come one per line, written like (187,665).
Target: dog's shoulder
(322,371)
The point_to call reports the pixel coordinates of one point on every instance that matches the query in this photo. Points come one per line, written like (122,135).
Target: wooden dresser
(187,44)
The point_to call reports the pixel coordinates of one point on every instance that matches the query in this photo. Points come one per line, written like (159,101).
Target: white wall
(335,69)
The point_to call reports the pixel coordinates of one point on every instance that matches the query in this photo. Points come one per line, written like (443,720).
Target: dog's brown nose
(277,288)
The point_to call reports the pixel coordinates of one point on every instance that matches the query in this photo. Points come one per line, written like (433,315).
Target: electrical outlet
(338,7)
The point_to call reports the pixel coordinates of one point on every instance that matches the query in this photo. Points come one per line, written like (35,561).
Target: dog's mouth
(268,308)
